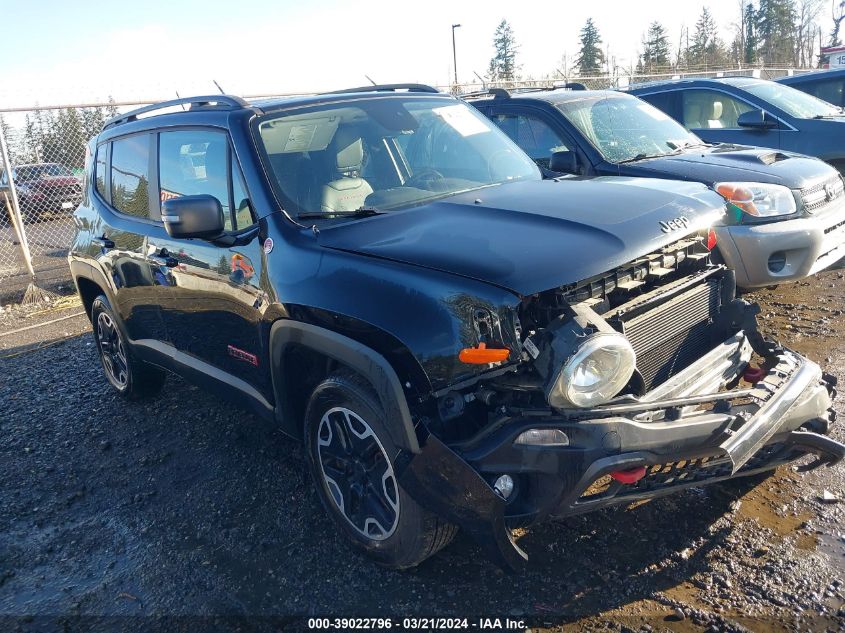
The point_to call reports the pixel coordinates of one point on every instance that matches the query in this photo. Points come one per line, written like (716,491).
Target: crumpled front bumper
(687,432)
(804,246)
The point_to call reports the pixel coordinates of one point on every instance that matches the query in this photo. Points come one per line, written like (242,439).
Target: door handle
(103,242)
(164,258)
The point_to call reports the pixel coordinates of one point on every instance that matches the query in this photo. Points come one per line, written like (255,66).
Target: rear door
(127,217)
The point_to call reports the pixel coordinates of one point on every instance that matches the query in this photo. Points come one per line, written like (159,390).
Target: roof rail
(387,88)
(496,93)
(217,101)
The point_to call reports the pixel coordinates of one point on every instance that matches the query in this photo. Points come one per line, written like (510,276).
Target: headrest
(349,150)
(716,111)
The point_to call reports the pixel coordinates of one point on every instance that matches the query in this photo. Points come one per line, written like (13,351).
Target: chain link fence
(46,148)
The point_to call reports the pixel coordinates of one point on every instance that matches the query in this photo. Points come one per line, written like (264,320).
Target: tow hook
(630,476)
(828,451)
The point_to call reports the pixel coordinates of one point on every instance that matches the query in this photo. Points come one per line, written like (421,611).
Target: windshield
(385,154)
(34,172)
(793,102)
(624,128)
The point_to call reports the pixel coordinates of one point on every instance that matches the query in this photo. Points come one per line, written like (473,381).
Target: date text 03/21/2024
(408,624)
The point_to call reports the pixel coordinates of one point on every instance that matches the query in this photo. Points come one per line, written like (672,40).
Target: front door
(713,114)
(214,298)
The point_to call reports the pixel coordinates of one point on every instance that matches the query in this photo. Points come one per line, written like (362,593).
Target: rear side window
(130,175)
(711,109)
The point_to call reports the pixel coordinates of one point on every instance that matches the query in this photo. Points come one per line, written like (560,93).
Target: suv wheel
(351,457)
(130,377)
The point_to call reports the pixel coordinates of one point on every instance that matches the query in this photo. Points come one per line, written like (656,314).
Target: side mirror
(565,162)
(193,216)
(757,119)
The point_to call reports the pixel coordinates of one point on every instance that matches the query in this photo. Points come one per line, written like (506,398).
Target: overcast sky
(59,51)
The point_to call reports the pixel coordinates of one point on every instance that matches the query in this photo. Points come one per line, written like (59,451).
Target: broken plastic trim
(439,480)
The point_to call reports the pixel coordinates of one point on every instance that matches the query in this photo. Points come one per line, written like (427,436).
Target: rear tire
(131,378)
(351,456)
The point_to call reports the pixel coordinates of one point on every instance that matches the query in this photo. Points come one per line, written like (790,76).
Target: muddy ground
(187,506)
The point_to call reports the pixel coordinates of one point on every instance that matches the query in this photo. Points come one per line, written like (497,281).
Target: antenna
(178,96)
(222,92)
(371,80)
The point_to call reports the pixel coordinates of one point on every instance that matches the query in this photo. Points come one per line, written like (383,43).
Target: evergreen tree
(749,55)
(706,49)
(776,32)
(655,56)
(590,58)
(503,65)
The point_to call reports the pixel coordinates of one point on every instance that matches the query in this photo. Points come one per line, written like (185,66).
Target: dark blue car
(789,209)
(752,112)
(827,85)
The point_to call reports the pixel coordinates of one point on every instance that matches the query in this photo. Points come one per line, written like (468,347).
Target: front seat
(348,191)
(692,115)
(715,119)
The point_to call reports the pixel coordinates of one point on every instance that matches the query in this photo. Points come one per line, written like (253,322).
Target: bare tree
(806,12)
(837,10)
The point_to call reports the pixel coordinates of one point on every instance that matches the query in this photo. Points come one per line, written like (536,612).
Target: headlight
(598,370)
(758,199)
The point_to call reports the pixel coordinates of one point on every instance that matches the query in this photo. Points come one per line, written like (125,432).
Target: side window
(100,168)
(244,215)
(536,137)
(130,178)
(711,109)
(662,101)
(193,162)
(830,90)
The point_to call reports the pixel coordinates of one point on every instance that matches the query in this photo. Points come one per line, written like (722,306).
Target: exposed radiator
(675,333)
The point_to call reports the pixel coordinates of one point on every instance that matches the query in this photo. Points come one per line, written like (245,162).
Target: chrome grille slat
(810,196)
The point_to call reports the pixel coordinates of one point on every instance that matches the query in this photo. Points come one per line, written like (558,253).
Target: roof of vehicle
(550,95)
(691,82)
(814,75)
(231,102)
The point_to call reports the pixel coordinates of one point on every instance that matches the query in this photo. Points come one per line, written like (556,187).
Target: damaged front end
(646,380)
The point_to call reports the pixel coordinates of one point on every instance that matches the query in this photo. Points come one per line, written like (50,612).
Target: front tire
(131,378)
(351,458)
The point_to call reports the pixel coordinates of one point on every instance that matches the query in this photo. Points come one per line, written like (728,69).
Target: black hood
(533,236)
(723,163)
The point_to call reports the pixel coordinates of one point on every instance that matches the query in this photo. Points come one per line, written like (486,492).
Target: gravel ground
(188,506)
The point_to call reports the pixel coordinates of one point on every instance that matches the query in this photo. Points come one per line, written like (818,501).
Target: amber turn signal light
(481,355)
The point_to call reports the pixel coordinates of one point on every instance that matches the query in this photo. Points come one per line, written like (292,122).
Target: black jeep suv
(457,341)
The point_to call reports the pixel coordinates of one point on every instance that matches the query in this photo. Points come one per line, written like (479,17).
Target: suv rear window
(130,175)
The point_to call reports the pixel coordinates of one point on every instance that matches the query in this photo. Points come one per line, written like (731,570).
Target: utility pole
(454,53)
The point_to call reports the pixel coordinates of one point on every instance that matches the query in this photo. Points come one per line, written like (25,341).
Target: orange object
(481,355)
(741,197)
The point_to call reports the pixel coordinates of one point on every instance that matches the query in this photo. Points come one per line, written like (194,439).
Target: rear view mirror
(565,162)
(757,119)
(193,217)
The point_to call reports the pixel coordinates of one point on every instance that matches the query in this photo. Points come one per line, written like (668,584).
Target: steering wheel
(423,177)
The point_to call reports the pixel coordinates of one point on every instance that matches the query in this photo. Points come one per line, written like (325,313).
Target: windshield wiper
(362,212)
(640,157)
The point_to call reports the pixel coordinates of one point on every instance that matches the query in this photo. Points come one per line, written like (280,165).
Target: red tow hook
(630,476)
(753,374)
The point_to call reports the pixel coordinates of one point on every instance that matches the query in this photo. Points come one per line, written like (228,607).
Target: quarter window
(710,109)
(100,169)
(130,178)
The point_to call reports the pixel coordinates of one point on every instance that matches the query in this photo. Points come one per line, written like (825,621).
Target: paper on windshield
(461,119)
